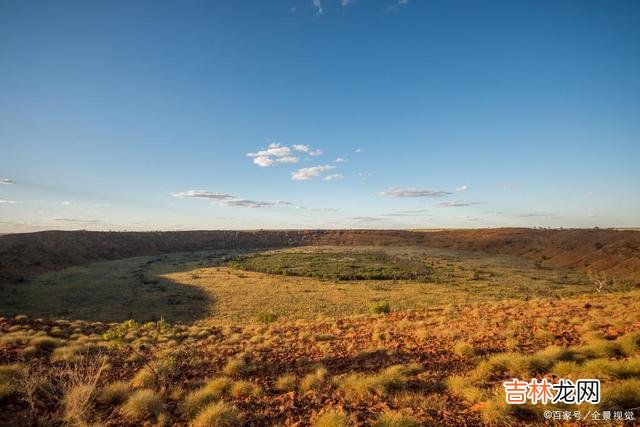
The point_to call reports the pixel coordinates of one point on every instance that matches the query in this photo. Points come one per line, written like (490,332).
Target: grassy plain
(190,286)
(244,347)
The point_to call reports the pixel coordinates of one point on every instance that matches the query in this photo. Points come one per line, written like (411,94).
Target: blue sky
(204,115)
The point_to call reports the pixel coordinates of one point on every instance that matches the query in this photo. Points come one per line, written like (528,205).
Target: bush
(381,307)
(218,414)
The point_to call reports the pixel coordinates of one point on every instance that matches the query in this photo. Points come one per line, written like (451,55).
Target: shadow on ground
(115,291)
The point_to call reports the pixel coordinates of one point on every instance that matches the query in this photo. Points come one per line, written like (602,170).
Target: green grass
(330,265)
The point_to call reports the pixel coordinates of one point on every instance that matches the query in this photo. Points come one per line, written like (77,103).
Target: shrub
(332,418)
(218,414)
(286,382)
(142,404)
(395,419)
(381,307)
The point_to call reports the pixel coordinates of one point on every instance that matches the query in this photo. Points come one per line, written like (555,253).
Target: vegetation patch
(329,265)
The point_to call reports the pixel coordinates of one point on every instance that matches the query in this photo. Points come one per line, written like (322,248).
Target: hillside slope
(612,253)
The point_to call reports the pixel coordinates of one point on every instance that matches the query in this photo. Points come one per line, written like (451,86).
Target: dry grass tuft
(212,391)
(218,414)
(395,419)
(333,418)
(114,393)
(314,380)
(286,382)
(142,405)
(381,384)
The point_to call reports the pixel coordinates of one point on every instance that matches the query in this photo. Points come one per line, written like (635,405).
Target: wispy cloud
(7,181)
(459,204)
(228,200)
(65,203)
(333,177)
(367,219)
(340,160)
(345,3)
(8,202)
(305,174)
(508,185)
(359,150)
(79,220)
(536,215)
(318,5)
(411,212)
(462,188)
(306,208)
(412,192)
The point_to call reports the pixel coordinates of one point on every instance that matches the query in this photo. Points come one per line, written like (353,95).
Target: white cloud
(288,159)
(301,147)
(412,192)
(8,202)
(202,194)
(340,160)
(333,177)
(306,208)
(318,5)
(359,150)
(536,215)
(274,149)
(263,161)
(66,203)
(7,181)
(305,174)
(79,220)
(228,200)
(459,204)
(278,153)
(462,188)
